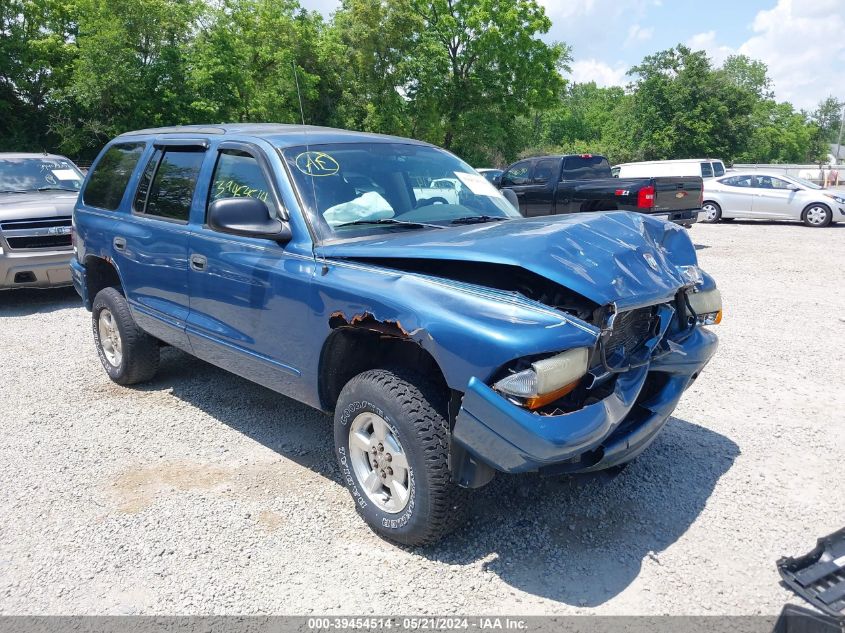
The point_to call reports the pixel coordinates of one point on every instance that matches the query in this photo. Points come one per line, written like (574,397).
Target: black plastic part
(819,577)
(795,619)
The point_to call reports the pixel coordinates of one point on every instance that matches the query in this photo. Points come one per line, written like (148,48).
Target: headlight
(547,380)
(707,306)
(839,199)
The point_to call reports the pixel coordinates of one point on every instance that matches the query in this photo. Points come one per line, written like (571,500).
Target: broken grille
(630,332)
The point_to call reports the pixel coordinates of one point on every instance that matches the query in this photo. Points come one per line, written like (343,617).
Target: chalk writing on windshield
(317,164)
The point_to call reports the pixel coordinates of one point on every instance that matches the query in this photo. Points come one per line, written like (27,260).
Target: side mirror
(497,180)
(249,217)
(510,196)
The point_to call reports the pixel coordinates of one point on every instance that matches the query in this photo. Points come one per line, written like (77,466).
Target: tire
(128,354)
(712,212)
(402,413)
(817,215)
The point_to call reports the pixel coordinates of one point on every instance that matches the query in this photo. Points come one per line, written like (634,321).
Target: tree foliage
(474,76)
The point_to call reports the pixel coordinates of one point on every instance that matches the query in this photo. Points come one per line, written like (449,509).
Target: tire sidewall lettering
(389,521)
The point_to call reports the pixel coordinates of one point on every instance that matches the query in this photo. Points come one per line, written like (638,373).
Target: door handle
(198,263)
(119,244)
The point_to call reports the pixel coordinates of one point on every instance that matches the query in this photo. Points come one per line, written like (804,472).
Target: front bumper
(610,432)
(34,269)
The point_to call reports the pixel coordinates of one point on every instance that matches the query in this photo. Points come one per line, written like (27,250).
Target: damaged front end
(632,380)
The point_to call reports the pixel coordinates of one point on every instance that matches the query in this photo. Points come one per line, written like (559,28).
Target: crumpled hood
(36,204)
(604,257)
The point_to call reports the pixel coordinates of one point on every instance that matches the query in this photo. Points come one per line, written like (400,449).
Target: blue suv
(451,337)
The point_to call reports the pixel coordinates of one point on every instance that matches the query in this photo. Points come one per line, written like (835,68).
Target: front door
(773,197)
(249,296)
(518,179)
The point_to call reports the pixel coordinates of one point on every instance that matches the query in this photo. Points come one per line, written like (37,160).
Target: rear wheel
(392,443)
(128,354)
(712,212)
(817,215)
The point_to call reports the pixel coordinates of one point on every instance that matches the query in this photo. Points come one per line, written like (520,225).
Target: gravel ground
(204,493)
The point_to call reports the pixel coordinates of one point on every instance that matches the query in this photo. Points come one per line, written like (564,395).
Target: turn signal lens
(542,401)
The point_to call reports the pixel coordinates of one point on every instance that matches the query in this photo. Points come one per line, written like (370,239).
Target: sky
(801,41)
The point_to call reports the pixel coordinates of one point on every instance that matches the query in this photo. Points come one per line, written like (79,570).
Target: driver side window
(517,175)
(238,174)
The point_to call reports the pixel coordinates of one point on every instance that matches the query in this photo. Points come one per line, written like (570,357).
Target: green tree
(474,67)
(130,70)
(37,53)
(680,107)
(242,64)
(828,116)
(751,74)
(780,135)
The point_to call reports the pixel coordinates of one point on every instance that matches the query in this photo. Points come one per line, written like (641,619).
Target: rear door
(151,244)
(736,195)
(773,198)
(540,195)
(517,177)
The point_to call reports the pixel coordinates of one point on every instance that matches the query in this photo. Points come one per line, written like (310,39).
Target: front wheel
(392,444)
(712,212)
(817,215)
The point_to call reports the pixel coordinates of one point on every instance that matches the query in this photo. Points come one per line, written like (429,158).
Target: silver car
(765,195)
(37,194)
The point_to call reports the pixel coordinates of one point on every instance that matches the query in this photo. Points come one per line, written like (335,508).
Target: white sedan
(770,196)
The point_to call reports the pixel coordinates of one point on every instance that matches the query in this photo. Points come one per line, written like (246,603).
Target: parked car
(451,340)
(704,167)
(550,185)
(490,173)
(37,193)
(771,196)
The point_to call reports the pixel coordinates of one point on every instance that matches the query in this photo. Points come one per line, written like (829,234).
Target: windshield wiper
(15,190)
(478,219)
(391,221)
(55,189)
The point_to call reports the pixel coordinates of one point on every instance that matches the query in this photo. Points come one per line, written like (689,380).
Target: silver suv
(37,194)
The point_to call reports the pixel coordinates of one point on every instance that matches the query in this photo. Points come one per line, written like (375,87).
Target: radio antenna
(298,92)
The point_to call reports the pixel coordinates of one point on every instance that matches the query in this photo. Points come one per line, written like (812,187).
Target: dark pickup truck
(551,185)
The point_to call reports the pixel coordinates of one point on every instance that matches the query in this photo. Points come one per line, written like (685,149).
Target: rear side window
(585,168)
(737,181)
(545,169)
(718,169)
(706,170)
(111,175)
(167,186)
(238,175)
(517,175)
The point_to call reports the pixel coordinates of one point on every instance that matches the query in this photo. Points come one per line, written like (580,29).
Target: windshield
(34,174)
(805,183)
(351,189)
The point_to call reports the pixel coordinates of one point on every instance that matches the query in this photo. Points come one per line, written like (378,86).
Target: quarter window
(239,175)
(167,186)
(517,175)
(111,175)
